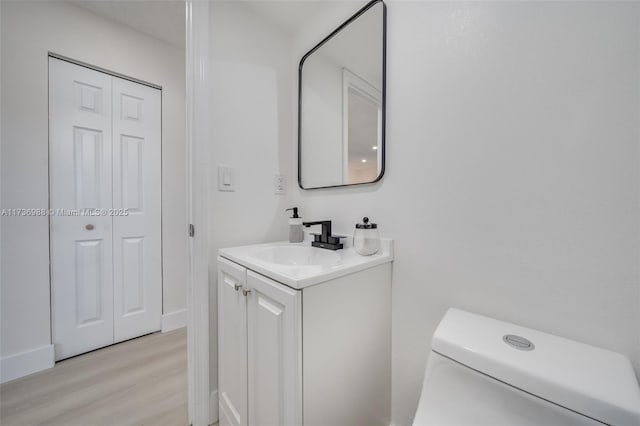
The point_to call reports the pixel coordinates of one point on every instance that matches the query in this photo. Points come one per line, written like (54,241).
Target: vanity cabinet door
(232,343)
(274,352)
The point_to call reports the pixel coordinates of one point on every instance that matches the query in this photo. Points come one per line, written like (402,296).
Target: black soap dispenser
(296,233)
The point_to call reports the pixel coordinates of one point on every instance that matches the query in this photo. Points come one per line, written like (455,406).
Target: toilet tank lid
(594,382)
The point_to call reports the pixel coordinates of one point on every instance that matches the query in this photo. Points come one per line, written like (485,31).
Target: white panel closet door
(80,178)
(137,262)
(105,136)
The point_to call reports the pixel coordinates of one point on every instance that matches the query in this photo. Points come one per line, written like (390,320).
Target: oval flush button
(518,342)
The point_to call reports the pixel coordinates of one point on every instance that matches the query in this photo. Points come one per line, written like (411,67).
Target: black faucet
(325,239)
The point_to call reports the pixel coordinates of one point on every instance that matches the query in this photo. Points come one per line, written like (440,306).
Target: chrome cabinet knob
(245,291)
(237,287)
(89,227)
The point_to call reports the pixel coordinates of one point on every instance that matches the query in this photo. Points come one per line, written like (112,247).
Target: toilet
(487,372)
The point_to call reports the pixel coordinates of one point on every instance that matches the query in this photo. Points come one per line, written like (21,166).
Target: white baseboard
(214,416)
(25,363)
(174,320)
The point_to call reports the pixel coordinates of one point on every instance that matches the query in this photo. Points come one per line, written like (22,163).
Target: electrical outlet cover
(280,184)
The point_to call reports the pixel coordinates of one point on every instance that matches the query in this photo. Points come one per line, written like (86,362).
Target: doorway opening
(100,275)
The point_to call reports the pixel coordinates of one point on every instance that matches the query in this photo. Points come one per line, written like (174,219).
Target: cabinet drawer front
(232,344)
(274,352)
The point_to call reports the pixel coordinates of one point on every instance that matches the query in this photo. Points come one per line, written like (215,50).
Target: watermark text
(64,212)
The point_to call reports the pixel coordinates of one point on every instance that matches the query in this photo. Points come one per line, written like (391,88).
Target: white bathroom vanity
(304,335)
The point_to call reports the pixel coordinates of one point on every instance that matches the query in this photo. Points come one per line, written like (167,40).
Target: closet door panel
(80,173)
(137,262)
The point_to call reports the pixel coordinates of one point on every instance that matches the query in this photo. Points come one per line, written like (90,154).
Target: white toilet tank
(487,372)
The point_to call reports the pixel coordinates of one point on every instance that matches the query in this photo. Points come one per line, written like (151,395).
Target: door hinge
(192,230)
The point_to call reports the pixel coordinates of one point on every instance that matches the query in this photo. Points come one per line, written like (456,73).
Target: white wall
(250,131)
(513,180)
(29,31)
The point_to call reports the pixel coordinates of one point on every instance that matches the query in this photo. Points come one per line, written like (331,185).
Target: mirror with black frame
(341,104)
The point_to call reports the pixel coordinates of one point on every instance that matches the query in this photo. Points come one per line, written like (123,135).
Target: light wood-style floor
(139,382)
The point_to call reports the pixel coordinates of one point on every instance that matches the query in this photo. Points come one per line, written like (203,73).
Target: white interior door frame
(351,81)
(203,404)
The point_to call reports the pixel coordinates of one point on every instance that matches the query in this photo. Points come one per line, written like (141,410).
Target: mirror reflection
(341,104)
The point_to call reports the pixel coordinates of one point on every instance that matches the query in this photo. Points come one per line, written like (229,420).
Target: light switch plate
(226,178)
(280,184)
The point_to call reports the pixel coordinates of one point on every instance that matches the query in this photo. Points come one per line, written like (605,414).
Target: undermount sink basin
(297,256)
(299,265)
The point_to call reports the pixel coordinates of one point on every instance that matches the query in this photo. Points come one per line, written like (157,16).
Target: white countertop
(347,262)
